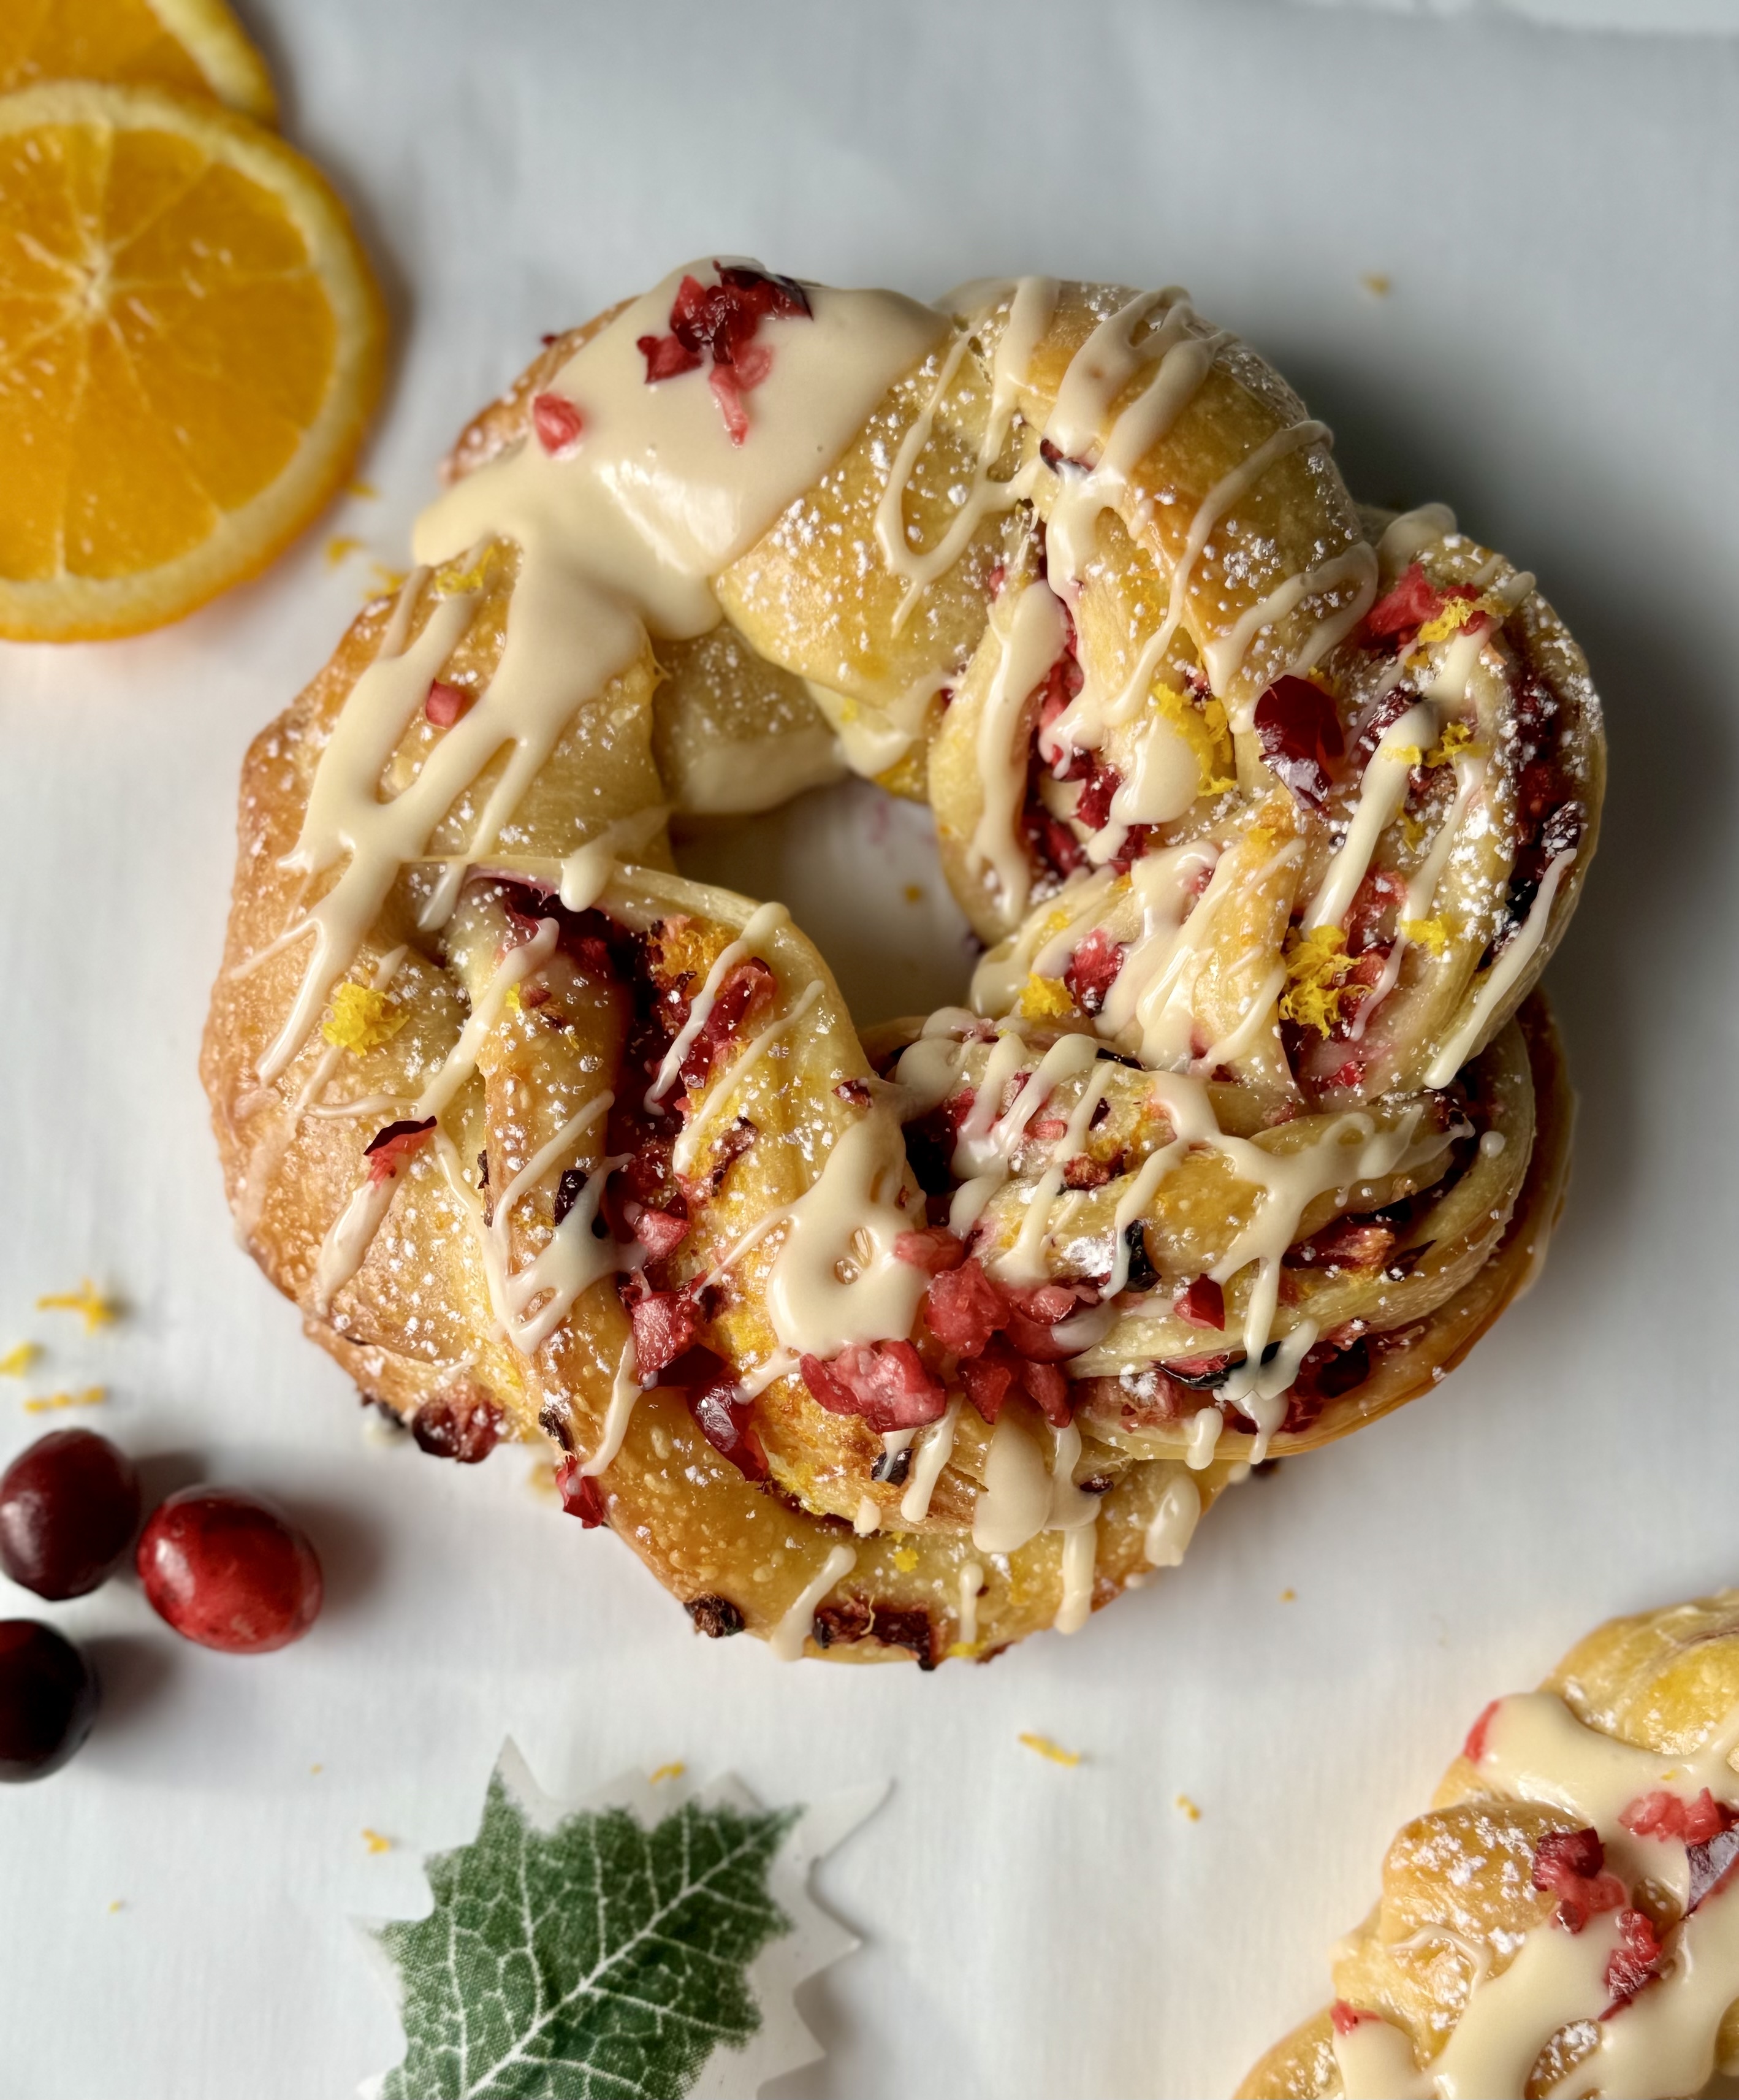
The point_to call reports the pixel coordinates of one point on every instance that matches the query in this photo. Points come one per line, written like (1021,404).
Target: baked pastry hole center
(858,871)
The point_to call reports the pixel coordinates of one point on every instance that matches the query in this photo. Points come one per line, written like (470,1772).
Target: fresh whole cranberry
(48,1700)
(229,1571)
(68,1510)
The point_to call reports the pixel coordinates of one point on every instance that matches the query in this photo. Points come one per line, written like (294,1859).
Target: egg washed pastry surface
(1563,1921)
(1268,809)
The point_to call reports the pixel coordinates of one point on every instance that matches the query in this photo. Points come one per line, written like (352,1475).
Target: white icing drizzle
(971,1589)
(625,1390)
(1030,302)
(933,1454)
(836,1279)
(1381,792)
(618,535)
(1408,534)
(586,872)
(269,1151)
(1495,985)
(868,1516)
(1664,2040)
(719,1097)
(1357,565)
(352,1232)
(1167,1537)
(765,920)
(1030,638)
(795,1627)
(1080,1557)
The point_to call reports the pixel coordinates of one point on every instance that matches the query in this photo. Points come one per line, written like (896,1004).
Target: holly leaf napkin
(644,1945)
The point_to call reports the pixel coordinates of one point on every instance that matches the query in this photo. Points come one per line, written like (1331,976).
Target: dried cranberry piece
(1712,1866)
(1093,807)
(990,1377)
(1093,969)
(746,993)
(229,1571)
(569,1190)
(907,1626)
(391,1145)
(1345,2018)
(715,1616)
(1048,1388)
(446,704)
(1569,1865)
(1300,734)
(1202,1303)
(1398,616)
(885,1384)
(722,1415)
(666,357)
(1635,1961)
(1665,1815)
(581,1495)
(558,423)
(665,1325)
(1474,1748)
(964,1309)
(933,1251)
(660,1232)
(464,1427)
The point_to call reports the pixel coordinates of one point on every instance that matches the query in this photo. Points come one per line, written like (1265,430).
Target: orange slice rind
(192,46)
(190,343)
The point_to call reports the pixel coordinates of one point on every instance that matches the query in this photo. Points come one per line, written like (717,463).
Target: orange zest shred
(1189,1808)
(376,1843)
(19,1359)
(52,1403)
(1045,998)
(1053,1753)
(341,548)
(97,1310)
(905,1559)
(362,1018)
(1430,933)
(1317,969)
(1456,615)
(674,1771)
(1455,736)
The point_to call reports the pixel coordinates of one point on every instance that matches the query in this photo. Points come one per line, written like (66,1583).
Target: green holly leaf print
(612,1950)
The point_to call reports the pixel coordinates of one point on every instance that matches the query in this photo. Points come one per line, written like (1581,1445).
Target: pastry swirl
(1271,811)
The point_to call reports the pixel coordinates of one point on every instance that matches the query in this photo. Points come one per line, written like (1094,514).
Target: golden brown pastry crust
(418,1323)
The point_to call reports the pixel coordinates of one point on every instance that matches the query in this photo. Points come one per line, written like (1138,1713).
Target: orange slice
(195,47)
(190,343)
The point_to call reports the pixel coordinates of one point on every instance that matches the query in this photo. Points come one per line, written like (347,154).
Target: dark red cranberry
(68,1510)
(226,1570)
(48,1700)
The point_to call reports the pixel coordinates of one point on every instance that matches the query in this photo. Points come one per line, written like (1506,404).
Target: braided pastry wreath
(1268,811)
(1564,1920)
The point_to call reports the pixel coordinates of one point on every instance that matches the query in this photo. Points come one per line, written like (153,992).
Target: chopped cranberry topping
(724,1418)
(569,1190)
(1093,809)
(932,1250)
(855,1093)
(989,1377)
(1048,1388)
(884,1382)
(557,423)
(1398,616)
(1345,2018)
(660,1232)
(1474,1748)
(665,1325)
(719,321)
(1569,1864)
(581,1495)
(1665,1815)
(1349,1242)
(1300,734)
(1093,970)
(446,704)
(1712,1865)
(391,1146)
(1635,1960)
(1202,1304)
(964,1309)
(748,992)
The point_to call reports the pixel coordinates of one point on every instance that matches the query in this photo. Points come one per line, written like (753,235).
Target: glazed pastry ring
(1268,811)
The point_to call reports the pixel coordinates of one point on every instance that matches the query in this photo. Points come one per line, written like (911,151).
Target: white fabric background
(1557,214)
